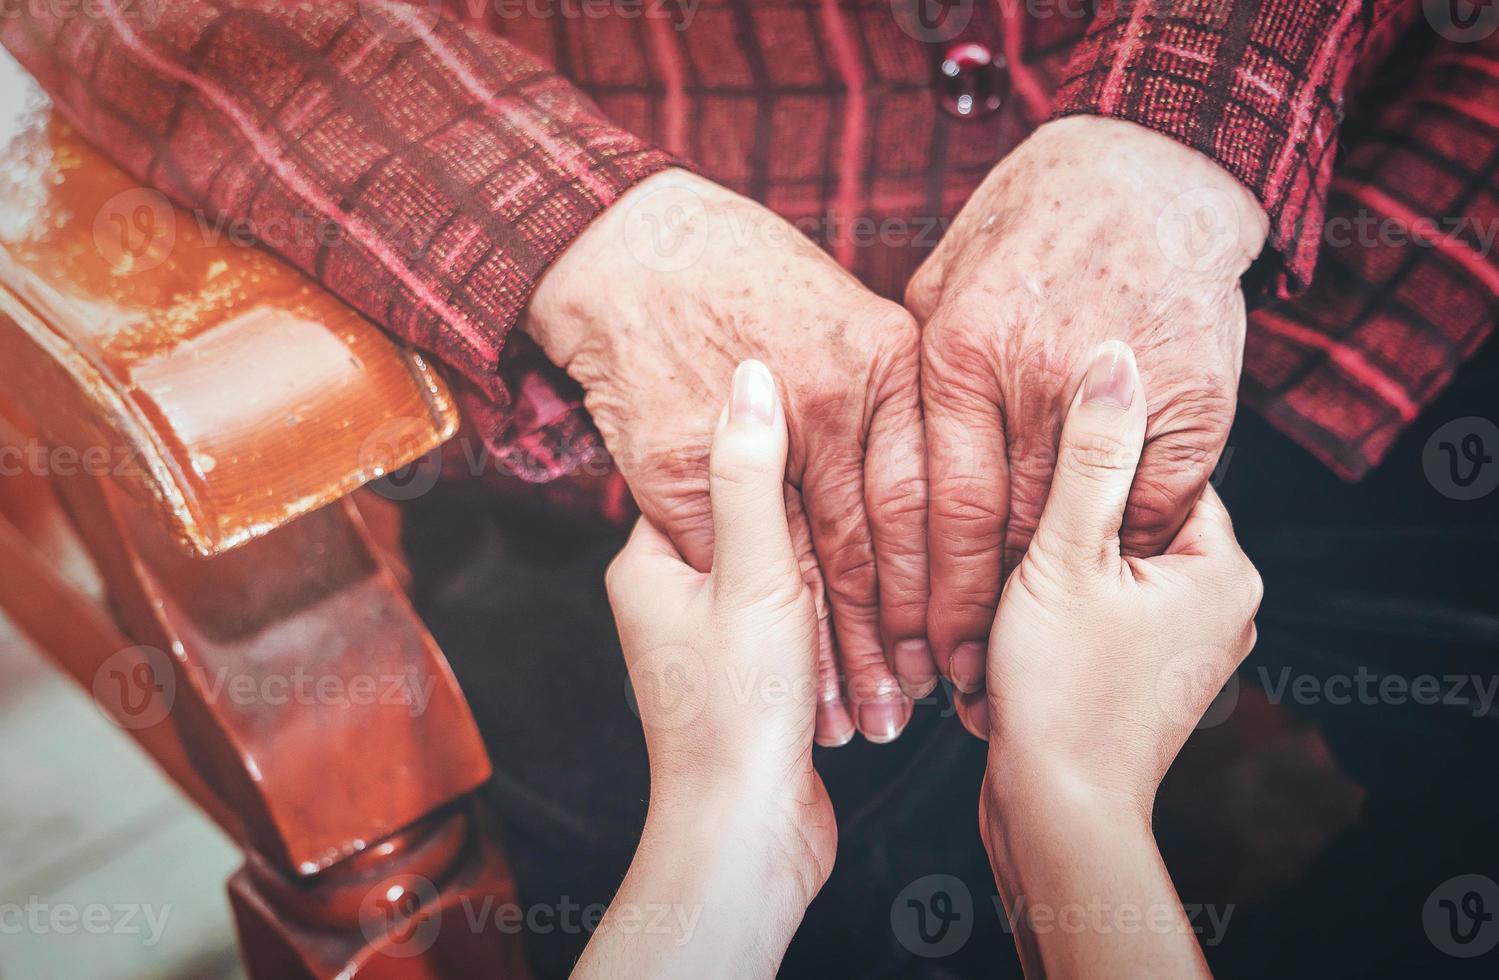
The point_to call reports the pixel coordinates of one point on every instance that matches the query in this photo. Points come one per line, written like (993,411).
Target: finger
(967,506)
(835,726)
(646,564)
(924,291)
(1099,450)
(833,494)
(752,551)
(1182,449)
(895,499)
(973,712)
(1208,529)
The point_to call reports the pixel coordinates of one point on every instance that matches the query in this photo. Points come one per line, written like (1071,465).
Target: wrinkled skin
(1093,229)
(651,309)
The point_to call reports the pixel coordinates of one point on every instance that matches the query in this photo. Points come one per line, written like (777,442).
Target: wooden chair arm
(208,378)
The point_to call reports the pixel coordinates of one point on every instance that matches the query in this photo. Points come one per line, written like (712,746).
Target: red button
(974,81)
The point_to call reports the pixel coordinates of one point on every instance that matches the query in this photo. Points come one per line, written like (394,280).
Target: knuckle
(1042,574)
(902,504)
(1255,585)
(924,290)
(967,598)
(1096,455)
(733,472)
(616,576)
(851,579)
(867,676)
(952,354)
(963,505)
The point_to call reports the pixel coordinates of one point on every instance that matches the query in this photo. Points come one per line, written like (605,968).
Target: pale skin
(740,835)
(655,303)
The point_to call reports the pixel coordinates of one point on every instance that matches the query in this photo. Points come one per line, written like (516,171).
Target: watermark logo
(932,20)
(394,439)
(1459,458)
(1199,231)
(136,230)
(1189,680)
(401,916)
(667,687)
(667,229)
(145,14)
(41,918)
(136,687)
(1461,916)
(1209,923)
(400,22)
(933,916)
(1463,21)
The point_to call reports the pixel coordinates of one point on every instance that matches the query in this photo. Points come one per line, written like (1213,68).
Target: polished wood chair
(185,426)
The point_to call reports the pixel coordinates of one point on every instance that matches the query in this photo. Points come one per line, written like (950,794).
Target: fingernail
(967,666)
(977,721)
(754,394)
(834,727)
(914,668)
(1111,377)
(882,721)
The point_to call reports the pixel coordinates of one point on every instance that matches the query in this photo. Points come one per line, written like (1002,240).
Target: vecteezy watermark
(1364,687)
(1200,229)
(138,686)
(668,687)
(678,13)
(1458,458)
(136,230)
(1463,21)
(1461,916)
(395,440)
(932,20)
(36,458)
(42,918)
(1208,922)
(402,916)
(385,19)
(671,686)
(1189,679)
(671,226)
(145,14)
(405,917)
(1367,229)
(933,916)
(400,21)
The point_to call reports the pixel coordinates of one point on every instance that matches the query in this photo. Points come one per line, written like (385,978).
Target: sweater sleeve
(424,172)
(1257,85)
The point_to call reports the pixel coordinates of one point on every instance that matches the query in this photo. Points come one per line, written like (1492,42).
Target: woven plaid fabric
(822,109)
(1407,285)
(1258,86)
(455,167)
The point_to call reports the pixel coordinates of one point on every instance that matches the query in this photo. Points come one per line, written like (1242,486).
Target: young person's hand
(740,833)
(1099,667)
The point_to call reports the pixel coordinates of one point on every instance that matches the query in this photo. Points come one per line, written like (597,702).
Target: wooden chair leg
(436,904)
(366,852)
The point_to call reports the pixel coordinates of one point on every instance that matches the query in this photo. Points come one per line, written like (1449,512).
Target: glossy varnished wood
(225,387)
(210,578)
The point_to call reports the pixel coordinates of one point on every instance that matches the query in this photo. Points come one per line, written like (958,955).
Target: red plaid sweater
(458,161)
